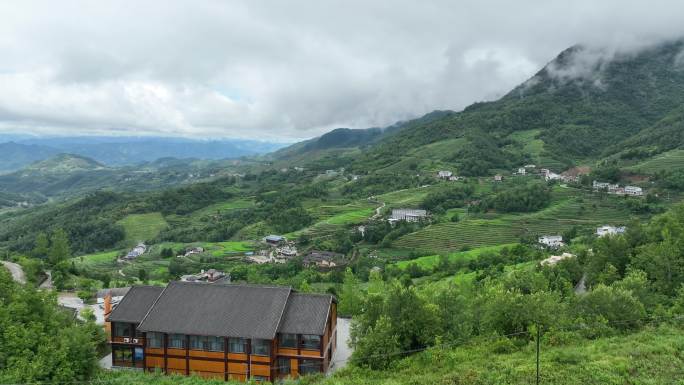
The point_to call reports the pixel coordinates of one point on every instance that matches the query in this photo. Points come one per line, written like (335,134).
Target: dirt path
(16,271)
(378,212)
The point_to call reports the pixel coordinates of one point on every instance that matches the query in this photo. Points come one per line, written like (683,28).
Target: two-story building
(226,331)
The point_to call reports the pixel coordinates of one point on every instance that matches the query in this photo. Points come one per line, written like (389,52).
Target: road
(47,284)
(344,351)
(16,271)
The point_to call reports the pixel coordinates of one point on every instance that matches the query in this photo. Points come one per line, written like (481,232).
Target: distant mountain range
(17,152)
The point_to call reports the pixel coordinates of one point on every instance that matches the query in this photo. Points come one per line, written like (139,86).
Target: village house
(634,191)
(521,171)
(444,174)
(274,240)
(549,175)
(408,215)
(498,178)
(210,276)
(617,190)
(551,241)
(194,250)
(572,175)
(455,178)
(224,331)
(136,251)
(609,230)
(554,259)
(322,259)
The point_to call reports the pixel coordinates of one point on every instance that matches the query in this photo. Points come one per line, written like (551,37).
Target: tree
(42,247)
(59,251)
(142,275)
(350,298)
(379,348)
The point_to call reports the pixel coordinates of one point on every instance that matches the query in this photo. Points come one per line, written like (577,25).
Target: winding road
(16,271)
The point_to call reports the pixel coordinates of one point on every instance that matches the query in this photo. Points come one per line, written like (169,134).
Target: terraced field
(430,261)
(670,160)
(141,227)
(564,213)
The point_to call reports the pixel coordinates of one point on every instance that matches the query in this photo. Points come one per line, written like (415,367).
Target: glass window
(310,341)
(237,345)
(155,340)
(122,329)
(309,366)
(196,343)
(122,354)
(288,340)
(176,341)
(284,366)
(261,347)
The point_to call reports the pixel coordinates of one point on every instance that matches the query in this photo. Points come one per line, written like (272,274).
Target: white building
(552,241)
(609,230)
(408,215)
(444,174)
(522,171)
(549,175)
(498,178)
(554,259)
(634,191)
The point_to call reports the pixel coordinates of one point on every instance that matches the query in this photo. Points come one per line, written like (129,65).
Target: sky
(286,70)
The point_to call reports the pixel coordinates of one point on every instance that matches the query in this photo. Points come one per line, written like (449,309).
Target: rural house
(552,241)
(498,178)
(634,191)
(210,276)
(222,331)
(408,215)
(274,239)
(444,174)
(609,230)
(137,251)
(554,259)
(322,259)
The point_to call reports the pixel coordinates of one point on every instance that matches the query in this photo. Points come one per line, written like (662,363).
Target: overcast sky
(285,69)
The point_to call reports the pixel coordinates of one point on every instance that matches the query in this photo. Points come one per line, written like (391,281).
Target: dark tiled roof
(218,310)
(135,304)
(306,314)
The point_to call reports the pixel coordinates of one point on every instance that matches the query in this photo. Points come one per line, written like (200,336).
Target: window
(309,366)
(155,340)
(310,341)
(284,366)
(176,341)
(288,340)
(122,329)
(122,356)
(261,347)
(212,344)
(237,345)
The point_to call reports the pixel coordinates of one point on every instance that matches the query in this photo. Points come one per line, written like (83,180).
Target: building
(408,215)
(609,230)
(549,175)
(552,241)
(137,251)
(322,259)
(498,178)
(194,250)
(210,276)
(444,174)
(522,171)
(572,175)
(236,332)
(455,178)
(605,186)
(554,259)
(634,191)
(274,239)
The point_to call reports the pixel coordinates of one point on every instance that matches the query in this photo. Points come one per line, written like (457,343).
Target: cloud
(288,70)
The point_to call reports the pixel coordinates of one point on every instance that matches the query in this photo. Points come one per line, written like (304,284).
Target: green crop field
(220,249)
(564,213)
(96,260)
(670,160)
(141,227)
(404,198)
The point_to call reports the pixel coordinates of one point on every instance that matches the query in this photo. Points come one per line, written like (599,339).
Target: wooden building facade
(236,332)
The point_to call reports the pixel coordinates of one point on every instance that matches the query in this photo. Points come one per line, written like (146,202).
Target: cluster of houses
(281,251)
(137,251)
(192,251)
(209,276)
(616,189)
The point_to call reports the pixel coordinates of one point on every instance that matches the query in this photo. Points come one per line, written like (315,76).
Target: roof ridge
(282,312)
(153,304)
(253,285)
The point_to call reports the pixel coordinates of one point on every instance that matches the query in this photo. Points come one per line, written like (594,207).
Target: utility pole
(538,335)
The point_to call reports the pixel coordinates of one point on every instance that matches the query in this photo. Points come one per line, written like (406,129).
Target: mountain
(118,151)
(16,155)
(585,105)
(63,163)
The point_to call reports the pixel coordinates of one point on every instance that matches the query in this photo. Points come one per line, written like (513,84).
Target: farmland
(670,160)
(142,227)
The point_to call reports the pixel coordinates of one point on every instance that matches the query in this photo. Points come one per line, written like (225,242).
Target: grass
(670,160)
(142,227)
(96,260)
